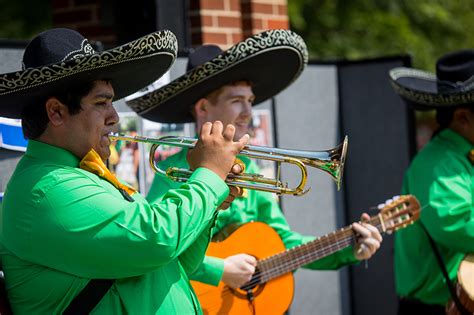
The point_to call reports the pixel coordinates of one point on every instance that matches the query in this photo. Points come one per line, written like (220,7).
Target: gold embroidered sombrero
(270,61)
(58,57)
(453,84)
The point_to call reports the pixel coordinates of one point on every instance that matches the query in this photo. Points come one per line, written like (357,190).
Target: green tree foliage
(354,29)
(22,19)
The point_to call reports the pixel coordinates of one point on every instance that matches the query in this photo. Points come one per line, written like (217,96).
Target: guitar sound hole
(251,289)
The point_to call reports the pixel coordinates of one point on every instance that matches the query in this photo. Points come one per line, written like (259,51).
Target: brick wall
(222,22)
(85,16)
(225,22)
(261,15)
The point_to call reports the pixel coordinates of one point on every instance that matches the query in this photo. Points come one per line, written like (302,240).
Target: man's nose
(113,117)
(248,107)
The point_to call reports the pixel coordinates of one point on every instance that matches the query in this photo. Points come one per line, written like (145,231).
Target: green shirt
(441,177)
(62,226)
(256,206)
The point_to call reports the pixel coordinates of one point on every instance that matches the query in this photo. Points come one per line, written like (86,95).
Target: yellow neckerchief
(470,156)
(94,164)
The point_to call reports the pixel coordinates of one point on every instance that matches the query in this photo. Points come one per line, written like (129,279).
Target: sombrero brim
(421,90)
(270,61)
(130,67)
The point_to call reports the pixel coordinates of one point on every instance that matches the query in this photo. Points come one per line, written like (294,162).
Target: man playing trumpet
(74,239)
(224,85)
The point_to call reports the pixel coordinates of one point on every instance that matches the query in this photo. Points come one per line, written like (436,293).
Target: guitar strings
(275,268)
(319,249)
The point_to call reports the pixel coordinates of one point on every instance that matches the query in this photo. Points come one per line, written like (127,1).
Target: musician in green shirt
(223,86)
(66,220)
(441,177)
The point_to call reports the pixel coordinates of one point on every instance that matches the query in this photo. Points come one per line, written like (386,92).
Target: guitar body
(464,287)
(270,291)
(274,297)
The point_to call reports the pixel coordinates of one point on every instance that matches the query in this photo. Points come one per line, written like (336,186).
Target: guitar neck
(289,260)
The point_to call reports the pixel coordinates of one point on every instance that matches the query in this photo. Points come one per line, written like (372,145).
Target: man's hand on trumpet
(234,190)
(216,150)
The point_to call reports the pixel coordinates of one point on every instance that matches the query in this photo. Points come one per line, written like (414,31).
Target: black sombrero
(270,61)
(453,84)
(57,58)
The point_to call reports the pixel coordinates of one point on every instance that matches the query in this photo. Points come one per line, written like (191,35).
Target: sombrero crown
(59,57)
(453,84)
(270,61)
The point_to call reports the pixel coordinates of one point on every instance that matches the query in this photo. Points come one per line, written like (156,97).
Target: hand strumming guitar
(238,270)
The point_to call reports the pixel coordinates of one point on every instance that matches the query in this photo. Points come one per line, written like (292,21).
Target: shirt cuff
(215,269)
(219,187)
(346,256)
(210,271)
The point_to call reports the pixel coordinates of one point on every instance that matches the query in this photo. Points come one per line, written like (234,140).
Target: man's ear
(461,116)
(56,111)
(200,107)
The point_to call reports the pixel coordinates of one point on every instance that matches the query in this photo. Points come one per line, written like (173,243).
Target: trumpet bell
(333,163)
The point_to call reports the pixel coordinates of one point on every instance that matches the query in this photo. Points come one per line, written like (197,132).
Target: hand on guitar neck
(368,238)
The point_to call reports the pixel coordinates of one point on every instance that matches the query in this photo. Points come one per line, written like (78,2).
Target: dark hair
(34,117)
(444,116)
(214,95)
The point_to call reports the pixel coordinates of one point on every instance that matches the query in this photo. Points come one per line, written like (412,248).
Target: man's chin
(104,154)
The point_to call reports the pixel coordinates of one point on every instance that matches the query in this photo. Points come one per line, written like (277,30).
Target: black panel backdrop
(381,143)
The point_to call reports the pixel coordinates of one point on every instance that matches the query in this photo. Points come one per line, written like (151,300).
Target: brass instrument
(331,161)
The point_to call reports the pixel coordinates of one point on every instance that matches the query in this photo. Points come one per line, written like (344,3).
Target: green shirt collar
(51,153)
(458,141)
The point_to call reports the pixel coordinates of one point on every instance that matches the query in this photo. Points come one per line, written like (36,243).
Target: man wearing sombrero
(224,85)
(441,176)
(74,239)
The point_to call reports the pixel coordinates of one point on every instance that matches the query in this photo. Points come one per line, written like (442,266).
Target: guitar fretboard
(296,257)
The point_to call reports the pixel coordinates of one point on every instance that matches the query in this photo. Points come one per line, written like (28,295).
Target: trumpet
(330,161)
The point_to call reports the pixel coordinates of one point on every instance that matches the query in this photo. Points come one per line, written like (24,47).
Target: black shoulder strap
(89,297)
(5,308)
(461,308)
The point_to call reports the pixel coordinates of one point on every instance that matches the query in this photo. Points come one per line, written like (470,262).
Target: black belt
(89,297)
(415,307)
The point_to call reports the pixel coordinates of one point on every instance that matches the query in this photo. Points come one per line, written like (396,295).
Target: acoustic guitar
(270,291)
(464,287)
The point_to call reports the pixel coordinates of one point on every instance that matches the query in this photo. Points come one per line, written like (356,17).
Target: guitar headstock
(399,213)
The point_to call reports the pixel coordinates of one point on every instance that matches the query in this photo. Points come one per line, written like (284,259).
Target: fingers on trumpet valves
(238,167)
